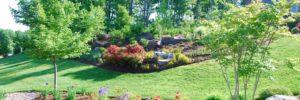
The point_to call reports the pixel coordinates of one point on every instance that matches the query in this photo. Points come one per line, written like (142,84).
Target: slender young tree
(51,34)
(240,41)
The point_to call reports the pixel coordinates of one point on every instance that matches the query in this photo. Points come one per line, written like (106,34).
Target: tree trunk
(256,84)
(245,79)
(131,7)
(55,72)
(145,12)
(211,3)
(226,77)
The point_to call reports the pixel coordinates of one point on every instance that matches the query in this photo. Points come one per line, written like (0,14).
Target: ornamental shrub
(144,42)
(274,91)
(129,56)
(179,59)
(71,94)
(182,59)
(213,97)
(295,30)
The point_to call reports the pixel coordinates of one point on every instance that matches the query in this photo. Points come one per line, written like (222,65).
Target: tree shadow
(10,66)
(94,73)
(7,78)
(13,72)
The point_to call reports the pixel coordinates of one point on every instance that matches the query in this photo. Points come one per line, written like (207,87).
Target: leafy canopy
(240,38)
(6,42)
(59,28)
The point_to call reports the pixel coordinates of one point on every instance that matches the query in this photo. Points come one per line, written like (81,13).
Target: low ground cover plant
(295,30)
(274,91)
(2,95)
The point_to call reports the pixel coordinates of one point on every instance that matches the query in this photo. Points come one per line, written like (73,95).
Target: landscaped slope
(194,81)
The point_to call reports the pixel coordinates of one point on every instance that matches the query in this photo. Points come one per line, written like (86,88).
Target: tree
(51,34)
(6,42)
(21,41)
(240,40)
(122,18)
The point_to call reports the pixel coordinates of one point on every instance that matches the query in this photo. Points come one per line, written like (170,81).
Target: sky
(6,19)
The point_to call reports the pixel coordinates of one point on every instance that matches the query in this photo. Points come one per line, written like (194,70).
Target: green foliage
(93,55)
(149,55)
(102,50)
(71,94)
(240,38)
(133,41)
(274,91)
(173,50)
(199,52)
(57,95)
(59,29)
(6,42)
(13,41)
(123,19)
(45,93)
(137,28)
(21,41)
(146,67)
(117,34)
(182,59)
(144,42)
(84,91)
(122,24)
(2,95)
(295,30)
(296,92)
(50,31)
(179,58)
(213,97)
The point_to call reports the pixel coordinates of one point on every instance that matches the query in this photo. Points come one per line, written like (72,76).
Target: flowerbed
(133,58)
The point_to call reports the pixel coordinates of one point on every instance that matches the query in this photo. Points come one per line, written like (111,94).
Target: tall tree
(6,42)
(51,34)
(122,18)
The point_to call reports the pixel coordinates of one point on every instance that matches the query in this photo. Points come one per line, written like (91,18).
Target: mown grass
(195,81)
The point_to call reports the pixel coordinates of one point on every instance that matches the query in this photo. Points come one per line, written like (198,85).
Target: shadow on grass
(94,73)
(11,66)
(21,69)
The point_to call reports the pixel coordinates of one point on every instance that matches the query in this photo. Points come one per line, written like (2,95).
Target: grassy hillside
(194,81)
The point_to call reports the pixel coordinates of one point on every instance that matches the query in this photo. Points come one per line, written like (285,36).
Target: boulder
(147,36)
(164,55)
(102,44)
(172,40)
(163,62)
(283,97)
(103,37)
(152,45)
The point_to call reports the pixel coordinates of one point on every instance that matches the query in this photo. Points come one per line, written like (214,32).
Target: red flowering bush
(130,56)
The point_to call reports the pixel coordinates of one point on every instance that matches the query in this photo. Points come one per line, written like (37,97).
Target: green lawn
(194,81)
